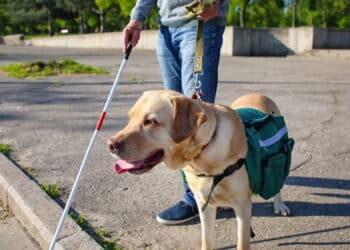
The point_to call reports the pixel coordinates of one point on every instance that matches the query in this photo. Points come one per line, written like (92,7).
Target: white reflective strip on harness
(272,140)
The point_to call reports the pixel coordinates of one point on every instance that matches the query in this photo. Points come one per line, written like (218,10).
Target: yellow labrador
(206,138)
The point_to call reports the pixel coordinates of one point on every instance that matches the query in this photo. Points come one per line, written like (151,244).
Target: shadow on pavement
(301,209)
(327,230)
(318,182)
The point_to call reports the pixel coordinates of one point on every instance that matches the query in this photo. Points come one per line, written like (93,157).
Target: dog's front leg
(207,218)
(243,213)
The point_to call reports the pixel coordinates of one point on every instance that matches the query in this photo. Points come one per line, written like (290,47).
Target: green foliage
(324,13)
(79,219)
(102,237)
(145,245)
(126,6)
(51,16)
(344,23)
(103,4)
(265,13)
(4,19)
(39,69)
(256,13)
(52,190)
(237,12)
(4,149)
(114,19)
(25,16)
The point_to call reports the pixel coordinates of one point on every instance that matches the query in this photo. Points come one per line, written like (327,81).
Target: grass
(52,190)
(54,67)
(5,149)
(145,245)
(102,237)
(135,79)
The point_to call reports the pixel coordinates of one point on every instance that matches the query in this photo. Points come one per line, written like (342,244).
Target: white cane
(92,140)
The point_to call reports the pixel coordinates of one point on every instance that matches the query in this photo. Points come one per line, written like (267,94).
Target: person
(175,53)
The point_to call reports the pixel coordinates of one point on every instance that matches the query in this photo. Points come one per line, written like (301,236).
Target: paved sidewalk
(49,122)
(12,235)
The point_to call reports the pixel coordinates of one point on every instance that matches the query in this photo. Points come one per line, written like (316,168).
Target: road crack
(301,164)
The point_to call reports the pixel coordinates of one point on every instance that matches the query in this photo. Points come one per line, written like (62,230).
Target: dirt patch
(4,212)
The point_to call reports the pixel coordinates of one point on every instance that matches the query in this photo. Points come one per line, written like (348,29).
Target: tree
(126,7)
(324,13)
(49,6)
(256,13)
(26,16)
(80,7)
(102,6)
(266,13)
(4,18)
(241,7)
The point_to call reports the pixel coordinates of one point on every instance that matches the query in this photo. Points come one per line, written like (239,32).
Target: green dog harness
(269,154)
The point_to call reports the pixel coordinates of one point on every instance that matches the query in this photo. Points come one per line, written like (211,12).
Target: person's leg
(182,42)
(213,38)
(185,37)
(170,64)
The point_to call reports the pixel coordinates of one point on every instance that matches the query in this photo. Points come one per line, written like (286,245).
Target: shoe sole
(175,222)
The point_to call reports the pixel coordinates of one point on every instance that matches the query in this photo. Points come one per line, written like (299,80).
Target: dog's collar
(217,178)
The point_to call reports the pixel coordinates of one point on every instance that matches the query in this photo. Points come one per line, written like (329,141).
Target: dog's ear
(187,117)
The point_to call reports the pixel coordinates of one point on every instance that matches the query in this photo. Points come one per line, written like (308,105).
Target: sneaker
(180,213)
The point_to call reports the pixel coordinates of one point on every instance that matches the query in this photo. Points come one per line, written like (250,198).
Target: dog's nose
(113,145)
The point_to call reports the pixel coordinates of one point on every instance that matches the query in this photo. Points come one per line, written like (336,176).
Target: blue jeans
(175,52)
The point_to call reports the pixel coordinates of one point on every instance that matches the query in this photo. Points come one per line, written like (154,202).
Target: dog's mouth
(141,166)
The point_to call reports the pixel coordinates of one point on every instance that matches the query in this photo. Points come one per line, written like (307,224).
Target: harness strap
(217,178)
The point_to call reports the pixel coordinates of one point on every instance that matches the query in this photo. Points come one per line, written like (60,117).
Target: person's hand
(210,13)
(131,33)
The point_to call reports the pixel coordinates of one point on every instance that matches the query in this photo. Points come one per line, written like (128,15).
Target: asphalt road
(49,122)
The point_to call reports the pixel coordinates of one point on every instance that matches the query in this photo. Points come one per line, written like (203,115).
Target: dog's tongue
(122,166)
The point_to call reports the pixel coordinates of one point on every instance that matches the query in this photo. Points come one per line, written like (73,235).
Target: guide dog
(203,139)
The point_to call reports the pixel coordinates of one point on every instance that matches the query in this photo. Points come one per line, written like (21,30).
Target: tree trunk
(50,23)
(324,19)
(82,25)
(242,12)
(241,19)
(295,6)
(101,21)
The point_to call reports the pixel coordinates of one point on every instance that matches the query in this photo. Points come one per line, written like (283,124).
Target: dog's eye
(150,122)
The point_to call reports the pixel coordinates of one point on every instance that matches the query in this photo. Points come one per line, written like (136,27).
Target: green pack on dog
(269,151)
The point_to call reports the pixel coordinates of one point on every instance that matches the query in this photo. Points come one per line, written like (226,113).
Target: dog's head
(163,126)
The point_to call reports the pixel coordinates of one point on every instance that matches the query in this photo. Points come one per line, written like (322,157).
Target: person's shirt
(173,13)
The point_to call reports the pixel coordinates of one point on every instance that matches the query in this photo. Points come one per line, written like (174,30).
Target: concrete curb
(37,212)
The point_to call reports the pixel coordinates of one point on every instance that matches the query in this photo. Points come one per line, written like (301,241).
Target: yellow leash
(195,9)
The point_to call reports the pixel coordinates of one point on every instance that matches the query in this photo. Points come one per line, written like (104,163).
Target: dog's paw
(281,208)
